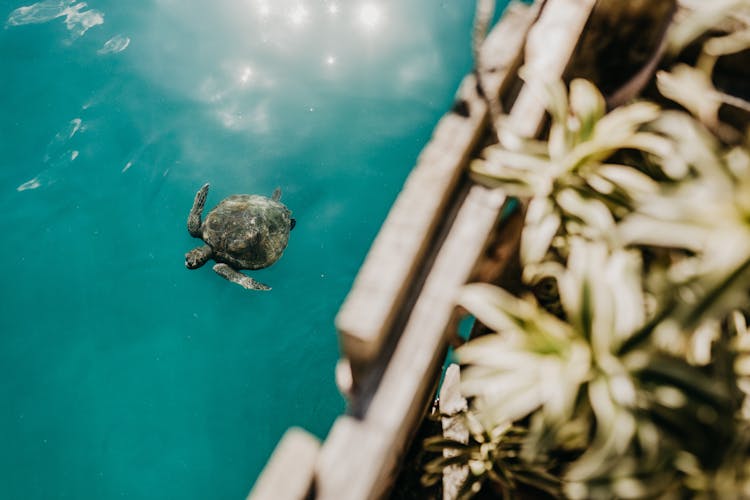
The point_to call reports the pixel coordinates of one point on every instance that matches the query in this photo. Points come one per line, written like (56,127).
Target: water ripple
(58,156)
(30,184)
(116,44)
(77,20)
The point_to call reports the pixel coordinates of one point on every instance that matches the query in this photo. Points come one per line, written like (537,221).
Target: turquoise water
(122,374)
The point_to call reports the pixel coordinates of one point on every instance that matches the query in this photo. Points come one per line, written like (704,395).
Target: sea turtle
(242,232)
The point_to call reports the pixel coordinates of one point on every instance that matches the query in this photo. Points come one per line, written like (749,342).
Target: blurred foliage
(492,455)
(622,370)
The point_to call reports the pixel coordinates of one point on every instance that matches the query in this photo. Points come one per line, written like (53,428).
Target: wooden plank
(549,48)
(408,382)
(409,376)
(289,473)
(343,464)
(494,64)
(367,315)
(454,427)
(393,260)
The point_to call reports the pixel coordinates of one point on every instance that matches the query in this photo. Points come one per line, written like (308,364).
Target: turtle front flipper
(196,257)
(194,219)
(235,276)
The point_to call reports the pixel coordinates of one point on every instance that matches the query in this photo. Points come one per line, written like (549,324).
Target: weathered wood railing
(398,319)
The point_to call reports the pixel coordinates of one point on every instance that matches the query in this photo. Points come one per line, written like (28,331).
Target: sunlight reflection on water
(116,44)
(77,20)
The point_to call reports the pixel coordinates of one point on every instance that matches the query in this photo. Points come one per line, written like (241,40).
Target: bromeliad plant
(633,380)
(575,182)
(630,413)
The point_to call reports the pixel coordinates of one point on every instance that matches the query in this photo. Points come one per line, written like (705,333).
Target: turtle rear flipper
(276,194)
(194,219)
(235,276)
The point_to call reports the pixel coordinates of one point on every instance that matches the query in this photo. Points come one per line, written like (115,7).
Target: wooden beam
(366,319)
(348,462)
(452,403)
(549,49)
(393,260)
(290,471)
(410,378)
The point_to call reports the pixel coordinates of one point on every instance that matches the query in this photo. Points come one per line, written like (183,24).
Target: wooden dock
(441,233)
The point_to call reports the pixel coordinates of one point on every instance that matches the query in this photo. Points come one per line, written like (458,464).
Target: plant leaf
(693,90)
(541,225)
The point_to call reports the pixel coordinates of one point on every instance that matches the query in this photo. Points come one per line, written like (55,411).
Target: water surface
(122,374)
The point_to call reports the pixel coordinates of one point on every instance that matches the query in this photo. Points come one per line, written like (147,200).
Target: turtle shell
(247,231)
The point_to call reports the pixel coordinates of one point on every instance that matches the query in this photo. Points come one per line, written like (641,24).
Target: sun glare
(370,16)
(299,15)
(264,10)
(246,74)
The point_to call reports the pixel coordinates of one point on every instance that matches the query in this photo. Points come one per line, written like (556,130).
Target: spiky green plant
(572,180)
(584,387)
(636,383)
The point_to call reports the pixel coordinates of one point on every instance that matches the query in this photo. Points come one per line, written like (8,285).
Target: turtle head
(196,257)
